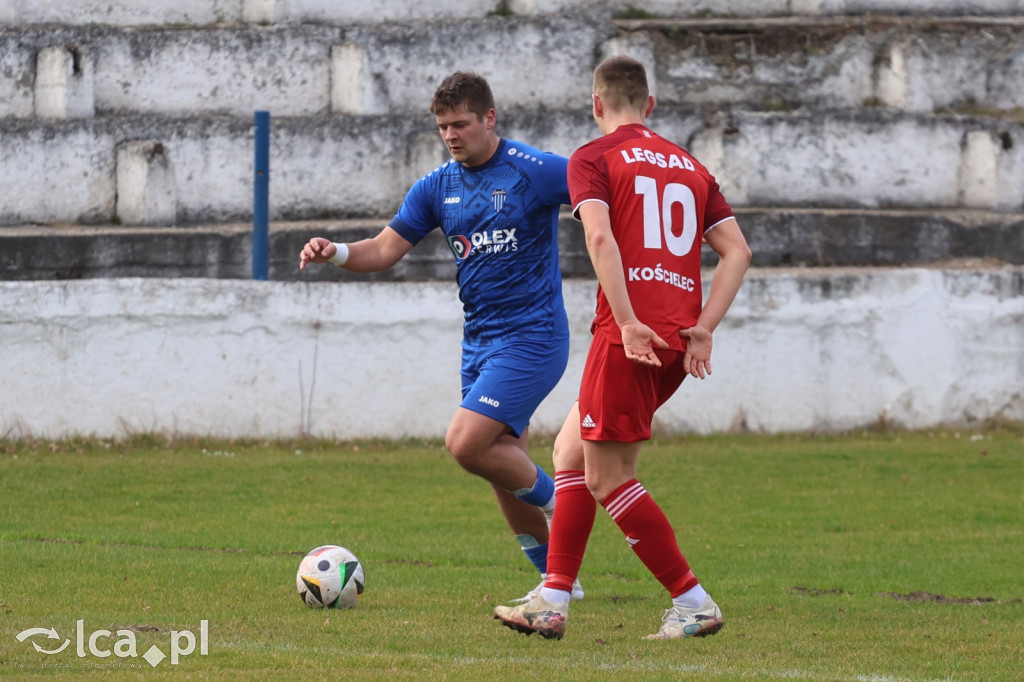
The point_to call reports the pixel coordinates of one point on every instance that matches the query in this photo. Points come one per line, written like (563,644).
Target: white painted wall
(801,350)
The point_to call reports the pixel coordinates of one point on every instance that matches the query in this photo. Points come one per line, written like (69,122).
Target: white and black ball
(330,577)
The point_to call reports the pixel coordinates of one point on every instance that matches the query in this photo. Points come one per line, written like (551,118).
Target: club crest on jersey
(498,199)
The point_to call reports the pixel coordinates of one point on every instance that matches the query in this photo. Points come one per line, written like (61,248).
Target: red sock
(650,535)
(575,509)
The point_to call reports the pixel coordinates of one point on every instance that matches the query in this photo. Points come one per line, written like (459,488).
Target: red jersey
(661,202)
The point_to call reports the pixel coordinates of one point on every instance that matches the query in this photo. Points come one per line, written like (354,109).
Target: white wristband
(341,256)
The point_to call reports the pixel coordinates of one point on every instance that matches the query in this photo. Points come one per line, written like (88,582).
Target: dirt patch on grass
(816,592)
(943,599)
(918,596)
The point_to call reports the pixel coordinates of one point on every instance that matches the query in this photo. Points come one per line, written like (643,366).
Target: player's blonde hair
(621,83)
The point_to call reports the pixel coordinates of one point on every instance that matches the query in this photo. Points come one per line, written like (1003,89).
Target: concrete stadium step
(807,238)
(918,64)
(206,12)
(227,12)
(911,63)
(358,166)
(295,70)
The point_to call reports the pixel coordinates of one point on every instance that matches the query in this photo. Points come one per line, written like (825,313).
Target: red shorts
(618,397)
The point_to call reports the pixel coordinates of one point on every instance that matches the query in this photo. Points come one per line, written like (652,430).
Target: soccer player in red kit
(646,207)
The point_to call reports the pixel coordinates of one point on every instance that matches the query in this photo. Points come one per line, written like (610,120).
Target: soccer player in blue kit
(497,202)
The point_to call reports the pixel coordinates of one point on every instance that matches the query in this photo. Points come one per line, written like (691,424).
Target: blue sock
(537,554)
(541,492)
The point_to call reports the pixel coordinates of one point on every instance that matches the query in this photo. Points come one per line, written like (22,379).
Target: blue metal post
(261,198)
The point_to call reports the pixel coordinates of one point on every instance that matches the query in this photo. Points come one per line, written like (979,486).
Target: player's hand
(639,342)
(317,250)
(697,359)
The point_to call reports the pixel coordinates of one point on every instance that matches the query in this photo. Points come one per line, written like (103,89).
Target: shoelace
(530,595)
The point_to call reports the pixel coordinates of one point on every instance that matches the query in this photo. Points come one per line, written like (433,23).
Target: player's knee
(463,449)
(452,442)
(567,454)
(599,486)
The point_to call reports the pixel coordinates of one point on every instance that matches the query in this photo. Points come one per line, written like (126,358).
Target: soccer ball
(330,577)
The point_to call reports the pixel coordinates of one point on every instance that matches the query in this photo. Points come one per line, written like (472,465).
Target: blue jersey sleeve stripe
(407,232)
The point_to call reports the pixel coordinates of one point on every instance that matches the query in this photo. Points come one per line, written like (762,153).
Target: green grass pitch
(866,556)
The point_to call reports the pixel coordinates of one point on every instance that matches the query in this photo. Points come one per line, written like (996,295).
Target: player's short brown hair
(621,83)
(463,88)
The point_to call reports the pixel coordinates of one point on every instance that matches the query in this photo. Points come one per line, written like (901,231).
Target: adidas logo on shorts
(588,423)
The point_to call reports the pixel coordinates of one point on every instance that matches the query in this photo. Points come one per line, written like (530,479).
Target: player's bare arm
(368,255)
(734,258)
(638,340)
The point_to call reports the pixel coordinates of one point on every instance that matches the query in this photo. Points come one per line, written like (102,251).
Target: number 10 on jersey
(658,215)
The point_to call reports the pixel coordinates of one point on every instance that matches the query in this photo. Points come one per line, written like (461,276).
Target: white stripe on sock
(625,501)
(570,481)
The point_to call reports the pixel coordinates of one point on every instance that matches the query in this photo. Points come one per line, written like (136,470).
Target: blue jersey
(501,223)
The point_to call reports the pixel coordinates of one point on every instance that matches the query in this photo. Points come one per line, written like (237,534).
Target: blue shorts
(507,380)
